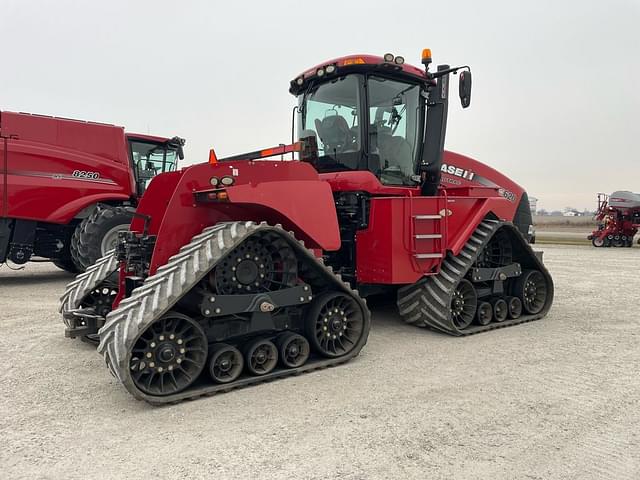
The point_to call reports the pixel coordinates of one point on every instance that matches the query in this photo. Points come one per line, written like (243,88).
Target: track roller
(515,307)
(294,350)
(261,357)
(500,309)
(225,363)
(484,315)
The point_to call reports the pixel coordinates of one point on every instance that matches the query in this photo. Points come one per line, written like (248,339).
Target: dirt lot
(554,399)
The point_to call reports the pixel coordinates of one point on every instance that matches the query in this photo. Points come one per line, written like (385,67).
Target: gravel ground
(554,399)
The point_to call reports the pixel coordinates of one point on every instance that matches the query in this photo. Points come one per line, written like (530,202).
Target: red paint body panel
(289,193)
(42,154)
(294,194)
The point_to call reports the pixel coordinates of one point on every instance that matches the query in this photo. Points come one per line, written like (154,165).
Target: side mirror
(464,87)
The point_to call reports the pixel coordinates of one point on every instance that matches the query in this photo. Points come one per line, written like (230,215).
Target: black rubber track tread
(87,281)
(93,231)
(161,291)
(426,303)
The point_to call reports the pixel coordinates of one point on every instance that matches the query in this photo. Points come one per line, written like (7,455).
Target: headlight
(320,72)
(388,57)
(214,181)
(226,181)
(399,60)
(330,68)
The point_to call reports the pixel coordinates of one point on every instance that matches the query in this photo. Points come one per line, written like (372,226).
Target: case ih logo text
(457,171)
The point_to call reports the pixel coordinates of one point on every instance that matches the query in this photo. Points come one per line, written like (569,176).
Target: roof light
(299,81)
(214,181)
(320,72)
(330,68)
(227,181)
(388,57)
(353,61)
(399,60)
(426,55)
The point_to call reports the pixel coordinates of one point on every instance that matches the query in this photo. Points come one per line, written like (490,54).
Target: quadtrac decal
(471,176)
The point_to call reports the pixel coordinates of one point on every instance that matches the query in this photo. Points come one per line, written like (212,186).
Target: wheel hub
(247,271)
(166,353)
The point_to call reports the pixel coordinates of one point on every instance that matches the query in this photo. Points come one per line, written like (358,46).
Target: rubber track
(87,281)
(161,291)
(427,302)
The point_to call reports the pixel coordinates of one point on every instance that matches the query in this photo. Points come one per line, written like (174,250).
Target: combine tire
(431,302)
(99,233)
(146,365)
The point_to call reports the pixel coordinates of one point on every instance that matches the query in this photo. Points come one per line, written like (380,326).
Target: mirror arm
(441,73)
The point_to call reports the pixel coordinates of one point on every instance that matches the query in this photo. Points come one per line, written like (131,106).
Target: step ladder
(428,240)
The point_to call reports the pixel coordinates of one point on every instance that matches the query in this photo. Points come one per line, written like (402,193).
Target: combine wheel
(463,304)
(531,288)
(169,355)
(225,363)
(294,350)
(261,357)
(484,314)
(335,323)
(500,309)
(515,307)
(99,233)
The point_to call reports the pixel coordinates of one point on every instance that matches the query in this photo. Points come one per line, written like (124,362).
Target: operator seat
(334,133)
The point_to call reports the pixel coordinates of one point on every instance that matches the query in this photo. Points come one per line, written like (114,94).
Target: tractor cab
(377,114)
(151,156)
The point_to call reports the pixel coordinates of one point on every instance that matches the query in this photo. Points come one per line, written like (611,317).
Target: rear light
(227,181)
(214,181)
(218,196)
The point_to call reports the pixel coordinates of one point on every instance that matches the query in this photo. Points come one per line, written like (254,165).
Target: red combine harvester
(237,270)
(618,218)
(67,187)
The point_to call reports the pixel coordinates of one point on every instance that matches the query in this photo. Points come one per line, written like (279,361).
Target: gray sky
(555,87)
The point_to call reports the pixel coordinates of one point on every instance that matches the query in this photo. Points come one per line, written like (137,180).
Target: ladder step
(428,235)
(428,255)
(428,217)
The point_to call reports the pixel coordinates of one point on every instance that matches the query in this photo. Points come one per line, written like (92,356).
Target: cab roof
(354,64)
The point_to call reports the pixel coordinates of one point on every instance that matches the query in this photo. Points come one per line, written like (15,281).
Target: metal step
(428,217)
(427,236)
(427,255)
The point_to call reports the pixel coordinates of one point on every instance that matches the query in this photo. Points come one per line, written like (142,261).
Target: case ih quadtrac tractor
(67,187)
(618,218)
(237,270)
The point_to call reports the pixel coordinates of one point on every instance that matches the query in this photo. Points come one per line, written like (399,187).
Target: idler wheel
(261,357)
(484,315)
(334,324)
(294,350)
(500,309)
(169,355)
(531,288)
(515,307)
(225,363)
(463,304)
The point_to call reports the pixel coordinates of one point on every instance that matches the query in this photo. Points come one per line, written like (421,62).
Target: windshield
(331,113)
(150,159)
(394,116)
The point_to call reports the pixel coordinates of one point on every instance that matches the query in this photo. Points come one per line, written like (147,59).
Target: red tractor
(241,269)
(618,218)
(67,187)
